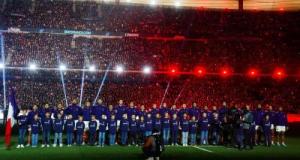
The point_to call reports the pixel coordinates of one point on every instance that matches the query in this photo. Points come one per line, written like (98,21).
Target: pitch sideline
(202,149)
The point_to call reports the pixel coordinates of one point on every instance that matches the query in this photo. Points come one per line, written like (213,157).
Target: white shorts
(258,127)
(86,125)
(280,129)
(272,126)
(118,123)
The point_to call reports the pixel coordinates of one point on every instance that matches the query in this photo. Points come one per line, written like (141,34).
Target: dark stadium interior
(174,41)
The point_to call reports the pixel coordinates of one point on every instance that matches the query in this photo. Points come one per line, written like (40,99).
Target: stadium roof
(274,5)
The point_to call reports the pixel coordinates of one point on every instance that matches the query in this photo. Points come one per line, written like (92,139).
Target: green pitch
(131,153)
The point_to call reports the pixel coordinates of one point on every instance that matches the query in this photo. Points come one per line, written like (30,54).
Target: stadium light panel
(2,65)
(225,72)
(200,71)
(147,70)
(62,67)
(153,2)
(119,69)
(253,72)
(32,66)
(177,3)
(92,68)
(279,73)
(173,71)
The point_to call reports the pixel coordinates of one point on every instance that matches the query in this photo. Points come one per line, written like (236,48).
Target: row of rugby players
(241,126)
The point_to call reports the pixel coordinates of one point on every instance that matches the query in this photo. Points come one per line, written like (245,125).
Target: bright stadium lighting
(92,68)
(200,71)
(225,72)
(2,65)
(173,71)
(253,73)
(147,70)
(177,3)
(62,67)
(153,2)
(32,66)
(279,73)
(119,69)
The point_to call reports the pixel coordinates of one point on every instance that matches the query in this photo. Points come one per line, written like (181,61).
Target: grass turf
(132,153)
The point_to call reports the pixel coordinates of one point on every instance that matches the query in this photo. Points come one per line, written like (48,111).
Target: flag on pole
(13,111)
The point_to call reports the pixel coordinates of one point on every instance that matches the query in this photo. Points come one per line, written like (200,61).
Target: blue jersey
(149,125)
(204,124)
(103,109)
(208,113)
(80,127)
(267,126)
(58,125)
(258,116)
(124,125)
(22,121)
(272,115)
(216,125)
(194,111)
(133,127)
(154,112)
(57,111)
(211,115)
(182,112)
(142,126)
(131,111)
(35,127)
(98,110)
(112,127)
(223,111)
(102,125)
(69,125)
(86,113)
(74,110)
(120,111)
(30,116)
(92,126)
(43,111)
(141,113)
(193,127)
(281,119)
(47,124)
(157,124)
(166,123)
(239,128)
(174,124)
(173,111)
(184,124)
(164,110)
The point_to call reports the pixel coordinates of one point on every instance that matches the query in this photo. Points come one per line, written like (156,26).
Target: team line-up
(241,127)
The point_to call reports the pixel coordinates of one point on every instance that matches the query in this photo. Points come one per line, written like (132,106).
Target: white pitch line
(203,149)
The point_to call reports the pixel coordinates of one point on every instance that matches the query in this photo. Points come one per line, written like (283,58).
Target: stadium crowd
(146,20)
(48,51)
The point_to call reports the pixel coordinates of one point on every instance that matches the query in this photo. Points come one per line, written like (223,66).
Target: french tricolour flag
(13,111)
